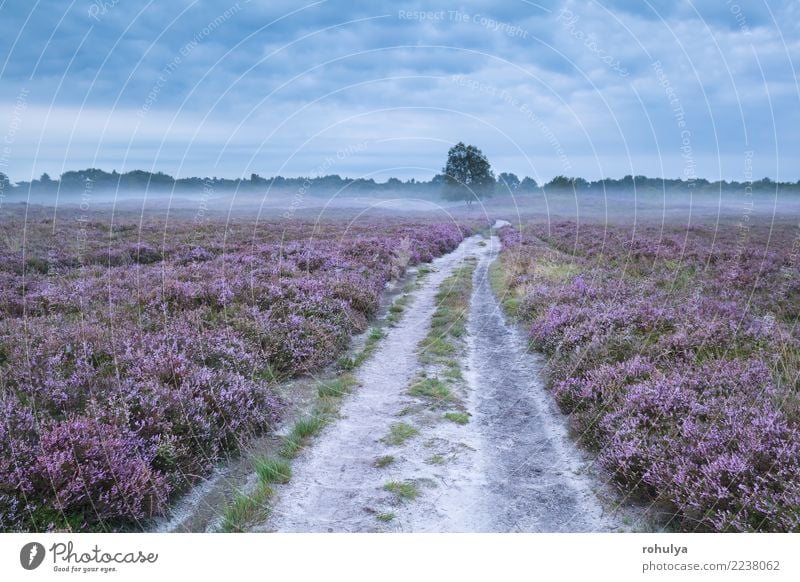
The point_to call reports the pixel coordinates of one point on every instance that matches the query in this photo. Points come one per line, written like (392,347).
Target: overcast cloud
(544,88)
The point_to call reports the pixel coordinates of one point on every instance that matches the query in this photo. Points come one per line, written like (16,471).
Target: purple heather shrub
(196,255)
(599,387)
(671,353)
(18,433)
(703,439)
(97,471)
(129,365)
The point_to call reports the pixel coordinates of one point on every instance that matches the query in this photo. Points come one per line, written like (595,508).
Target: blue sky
(705,87)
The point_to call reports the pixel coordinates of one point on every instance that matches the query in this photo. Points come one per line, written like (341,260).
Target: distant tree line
(93,179)
(466,176)
(643,184)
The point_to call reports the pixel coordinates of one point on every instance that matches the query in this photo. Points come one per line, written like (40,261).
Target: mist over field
(611,205)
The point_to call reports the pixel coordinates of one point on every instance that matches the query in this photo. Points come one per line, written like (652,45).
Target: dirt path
(512,467)
(536,478)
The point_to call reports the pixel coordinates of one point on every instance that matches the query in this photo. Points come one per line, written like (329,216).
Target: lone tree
(467,175)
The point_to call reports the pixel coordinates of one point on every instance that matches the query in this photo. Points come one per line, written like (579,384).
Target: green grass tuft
(384,461)
(402,489)
(457,417)
(291,446)
(435,345)
(499,280)
(449,319)
(375,335)
(397,309)
(400,432)
(555,271)
(308,426)
(337,387)
(302,430)
(271,470)
(385,517)
(452,370)
(245,509)
(432,389)
(346,363)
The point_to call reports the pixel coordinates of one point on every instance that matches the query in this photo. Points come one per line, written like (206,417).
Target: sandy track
(511,468)
(536,477)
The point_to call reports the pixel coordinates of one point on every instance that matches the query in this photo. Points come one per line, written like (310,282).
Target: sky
(701,88)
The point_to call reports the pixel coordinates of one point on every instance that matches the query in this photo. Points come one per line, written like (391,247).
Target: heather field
(674,351)
(142,354)
(136,353)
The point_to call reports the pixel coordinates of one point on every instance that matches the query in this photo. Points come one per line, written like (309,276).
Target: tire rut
(336,485)
(537,479)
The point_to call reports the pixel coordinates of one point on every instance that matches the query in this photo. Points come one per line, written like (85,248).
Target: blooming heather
(675,353)
(133,356)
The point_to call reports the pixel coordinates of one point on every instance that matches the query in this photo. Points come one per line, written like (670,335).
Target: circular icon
(31,555)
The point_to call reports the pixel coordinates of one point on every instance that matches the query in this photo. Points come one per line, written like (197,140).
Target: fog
(615,206)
